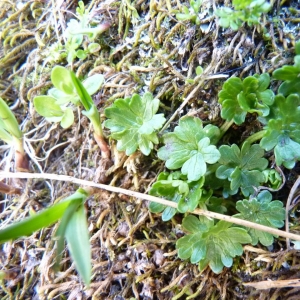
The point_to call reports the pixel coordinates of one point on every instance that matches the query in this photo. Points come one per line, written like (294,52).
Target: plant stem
(225,127)
(21,159)
(256,136)
(105,151)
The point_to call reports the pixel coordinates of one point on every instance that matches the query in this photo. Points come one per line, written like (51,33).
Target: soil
(133,251)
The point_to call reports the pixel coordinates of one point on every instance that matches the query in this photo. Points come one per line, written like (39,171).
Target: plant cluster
(248,11)
(77,30)
(201,167)
(191,14)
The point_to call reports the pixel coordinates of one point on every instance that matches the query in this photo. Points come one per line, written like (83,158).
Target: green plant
(243,168)
(73,227)
(11,134)
(211,244)
(244,11)
(232,168)
(188,147)
(282,131)
(69,89)
(133,123)
(190,14)
(261,210)
(174,186)
(77,30)
(251,95)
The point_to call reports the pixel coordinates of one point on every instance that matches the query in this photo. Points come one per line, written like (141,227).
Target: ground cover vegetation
(218,158)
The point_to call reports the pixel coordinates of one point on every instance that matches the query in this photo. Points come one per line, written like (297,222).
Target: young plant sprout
(11,134)
(69,89)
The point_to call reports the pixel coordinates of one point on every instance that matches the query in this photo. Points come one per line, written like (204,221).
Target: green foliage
(290,76)
(133,123)
(283,130)
(244,11)
(190,14)
(75,229)
(250,95)
(10,132)
(77,30)
(261,210)
(174,187)
(273,178)
(188,148)
(209,244)
(68,89)
(243,168)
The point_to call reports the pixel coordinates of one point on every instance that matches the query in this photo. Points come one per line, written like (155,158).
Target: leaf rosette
(243,168)
(188,148)
(251,95)
(261,210)
(133,122)
(210,244)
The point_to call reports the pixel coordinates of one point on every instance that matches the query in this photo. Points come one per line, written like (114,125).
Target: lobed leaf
(134,122)
(243,168)
(209,244)
(261,210)
(188,148)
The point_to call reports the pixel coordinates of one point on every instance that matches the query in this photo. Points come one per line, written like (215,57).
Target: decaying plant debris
(133,251)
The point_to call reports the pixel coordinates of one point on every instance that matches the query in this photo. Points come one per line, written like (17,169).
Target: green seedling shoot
(55,107)
(11,134)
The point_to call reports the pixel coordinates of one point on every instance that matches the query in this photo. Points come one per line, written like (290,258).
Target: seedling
(211,244)
(77,30)
(11,134)
(248,11)
(134,123)
(175,187)
(69,89)
(261,210)
(189,148)
(190,14)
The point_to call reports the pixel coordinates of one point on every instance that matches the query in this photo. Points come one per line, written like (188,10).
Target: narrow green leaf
(85,98)
(77,237)
(9,120)
(42,219)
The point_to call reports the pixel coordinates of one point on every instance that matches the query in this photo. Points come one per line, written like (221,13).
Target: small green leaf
(94,47)
(243,168)
(133,123)
(47,107)
(209,244)
(199,70)
(67,119)
(262,210)
(93,83)
(188,148)
(9,121)
(81,54)
(174,187)
(77,237)
(61,79)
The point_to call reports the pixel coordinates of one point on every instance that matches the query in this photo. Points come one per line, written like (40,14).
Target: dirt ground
(133,251)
